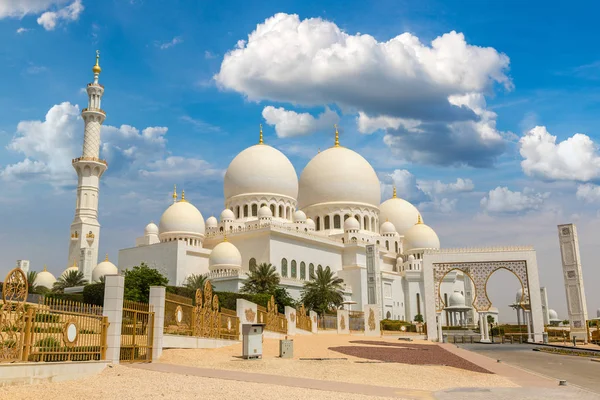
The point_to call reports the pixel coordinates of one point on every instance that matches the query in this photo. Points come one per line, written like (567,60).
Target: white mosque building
(332,216)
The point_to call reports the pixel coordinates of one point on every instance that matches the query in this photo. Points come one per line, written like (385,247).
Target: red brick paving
(405,353)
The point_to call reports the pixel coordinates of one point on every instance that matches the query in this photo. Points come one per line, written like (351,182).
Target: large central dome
(339,175)
(261,169)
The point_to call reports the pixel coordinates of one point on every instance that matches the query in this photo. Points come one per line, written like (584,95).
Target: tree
(323,291)
(418,318)
(262,279)
(31,286)
(138,281)
(195,281)
(71,278)
(566,322)
(490,319)
(282,299)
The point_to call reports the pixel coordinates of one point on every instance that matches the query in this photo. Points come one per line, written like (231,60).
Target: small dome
(310,223)
(519,296)
(182,217)
(553,315)
(45,279)
(351,224)
(299,216)
(227,215)
(71,268)
(264,212)
(151,229)
(400,213)
(456,299)
(261,169)
(225,256)
(387,228)
(104,268)
(212,222)
(399,260)
(421,236)
(411,258)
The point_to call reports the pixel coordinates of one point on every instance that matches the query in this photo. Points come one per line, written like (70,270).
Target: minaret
(85,229)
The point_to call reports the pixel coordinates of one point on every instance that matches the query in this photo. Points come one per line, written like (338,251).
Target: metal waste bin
(286,348)
(252,338)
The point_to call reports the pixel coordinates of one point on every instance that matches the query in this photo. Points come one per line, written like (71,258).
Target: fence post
(113,309)
(343,322)
(372,318)
(290,315)
(314,321)
(27,337)
(247,313)
(157,302)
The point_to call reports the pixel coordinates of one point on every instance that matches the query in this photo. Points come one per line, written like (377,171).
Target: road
(575,370)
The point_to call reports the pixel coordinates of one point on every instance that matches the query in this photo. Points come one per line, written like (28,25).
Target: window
(396,245)
(337,224)
(346,217)
(387,245)
(294,275)
(318,223)
(288,215)
(238,211)
(358,219)
(418,303)
(373,224)
(311,270)
(388,315)
(366,223)
(280,215)
(252,264)
(284,267)
(327,222)
(302,270)
(272,209)
(254,210)
(246,210)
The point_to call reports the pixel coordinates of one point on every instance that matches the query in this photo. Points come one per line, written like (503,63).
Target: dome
(212,222)
(264,212)
(225,256)
(71,268)
(227,215)
(104,268)
(299,216)
(456,299)
(45,279)
(400,213)
(421,236)
(338,175)
(151,229)
(399,261)
(553,315)
(310,223)
(351,224)
(261,169)
(519,296)
(387,228)
(411,258)
(181,217)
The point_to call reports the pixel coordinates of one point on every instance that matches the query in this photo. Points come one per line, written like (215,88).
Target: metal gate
(137,330)
(357,321)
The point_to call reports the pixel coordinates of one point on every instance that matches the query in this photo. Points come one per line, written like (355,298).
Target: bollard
(562,382)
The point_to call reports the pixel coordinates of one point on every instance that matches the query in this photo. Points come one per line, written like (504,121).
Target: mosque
(332,216)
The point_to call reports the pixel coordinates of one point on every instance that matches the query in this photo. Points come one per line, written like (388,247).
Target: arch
(387,245)
(272,209)
(346,216)
(245,210)
(303,271)
(252,264)
(337,222)
(359,219)
(284,271)
(318,224)
(327,222)
(280,214)
(238,212)
(388,315)
(366,223)
(294,269)
(396,246)
(263,205)
(254,210)
(311,270)
(373,229)
(287,213)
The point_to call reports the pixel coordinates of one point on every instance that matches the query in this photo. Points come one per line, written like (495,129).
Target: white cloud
(199,124)
(402,85)
(443,205)
(175,41)
(435,188)
(290,123)
(21,8)
(35,69)
(503,200)
(22,30)
(589,193)
(575,158)
(50,19)
(406,186)
(209,55)
(180,168)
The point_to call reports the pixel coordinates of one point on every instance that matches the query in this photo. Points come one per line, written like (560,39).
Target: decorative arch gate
(479,265)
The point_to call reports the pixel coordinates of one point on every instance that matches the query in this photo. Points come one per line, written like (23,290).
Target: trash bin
(252,340)
(444,338)
(545,337)
(286,348)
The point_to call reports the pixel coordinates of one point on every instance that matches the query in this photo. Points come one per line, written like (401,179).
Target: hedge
(394,325)
(229,299)
(94,294)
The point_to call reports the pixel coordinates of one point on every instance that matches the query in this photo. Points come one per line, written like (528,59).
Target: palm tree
(323,291)
(195,281)
(261,279)
(70,279)
(31,286)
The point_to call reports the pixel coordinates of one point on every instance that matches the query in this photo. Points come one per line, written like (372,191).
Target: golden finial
(260,138)
(419,220)
(45,268)
(337,137)
(96,69)
(174,193)
(318,151)
(74,264)
(225,237)
(106,258)
(183,196)
(394,192)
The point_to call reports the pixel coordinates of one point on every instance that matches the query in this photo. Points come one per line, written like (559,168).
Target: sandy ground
(381,374)
(121,382)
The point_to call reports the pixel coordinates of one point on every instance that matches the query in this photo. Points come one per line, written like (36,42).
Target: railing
(73,161)
(179,315)
(302,320)
(101,111)
(54,330)
(357,321)
(593,328)
(557,335)
(270,316)
(229,325)
(327,322)
(137,332)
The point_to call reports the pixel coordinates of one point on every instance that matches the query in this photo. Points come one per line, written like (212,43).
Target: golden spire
(174,193)
(96,69)
(337,137)
(394,192)
(183,196)
(419,220)
(260,138)
(225,237)
(74,264)
(106,258)
(45,268)
(319,150)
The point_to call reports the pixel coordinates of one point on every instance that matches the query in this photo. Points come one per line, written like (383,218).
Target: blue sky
(183,98)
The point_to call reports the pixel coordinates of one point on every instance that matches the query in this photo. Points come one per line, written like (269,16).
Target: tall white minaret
(85,229)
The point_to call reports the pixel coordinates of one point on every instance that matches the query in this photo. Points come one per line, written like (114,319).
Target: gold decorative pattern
(12,315)
(342,323)
(70,342)
(270,316)
(250,314)
(371,320)
(293,317)
(303,321)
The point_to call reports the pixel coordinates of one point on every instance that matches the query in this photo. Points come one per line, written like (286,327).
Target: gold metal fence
(357,321)
(327,322)
(179,315)
(137,332)
(593,328)
(302,320)
(270,316)
(556,335)
(53,330)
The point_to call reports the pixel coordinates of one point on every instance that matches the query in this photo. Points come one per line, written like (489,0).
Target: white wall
(162,256)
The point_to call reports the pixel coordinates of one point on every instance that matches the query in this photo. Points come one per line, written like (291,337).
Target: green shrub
(94,294)
(229,299)
(51,329)
(182,291)
(48,342)
(10,343)
(78,297)
(395,325)
(51,318)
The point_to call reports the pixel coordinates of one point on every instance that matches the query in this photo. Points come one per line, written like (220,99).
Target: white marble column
(157,302)
(528,322)
(518,316)
(439,326)
(113,309)
(485,338)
